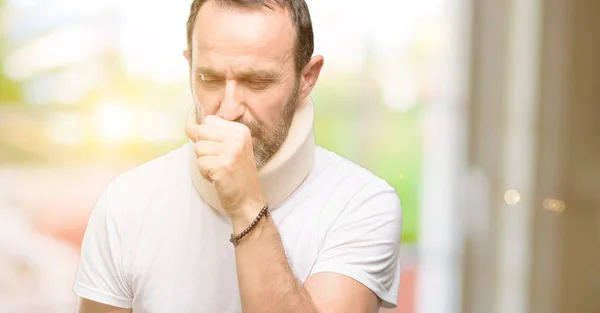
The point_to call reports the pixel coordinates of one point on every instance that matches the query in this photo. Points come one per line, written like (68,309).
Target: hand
(226,158)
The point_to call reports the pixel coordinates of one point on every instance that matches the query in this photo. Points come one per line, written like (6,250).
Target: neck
(284,172)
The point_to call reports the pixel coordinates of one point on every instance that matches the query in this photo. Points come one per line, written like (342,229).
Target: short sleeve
(364,242)
(100,276)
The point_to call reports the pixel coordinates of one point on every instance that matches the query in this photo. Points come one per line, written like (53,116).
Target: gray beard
(269,144)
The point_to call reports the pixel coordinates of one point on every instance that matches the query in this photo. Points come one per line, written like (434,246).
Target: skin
(242,64)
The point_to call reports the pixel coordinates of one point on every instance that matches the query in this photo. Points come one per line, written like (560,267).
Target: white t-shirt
(153,244)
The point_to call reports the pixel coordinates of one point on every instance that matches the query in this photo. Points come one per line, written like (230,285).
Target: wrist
(245,214)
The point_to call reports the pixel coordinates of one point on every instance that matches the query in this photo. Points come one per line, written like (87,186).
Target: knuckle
(239,144)
(228,164)
(238,150)
(245,132)
(200,166)
(209,118)
(241,137)
(201,129)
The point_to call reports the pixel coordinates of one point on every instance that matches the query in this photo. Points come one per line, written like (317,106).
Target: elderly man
(249,216)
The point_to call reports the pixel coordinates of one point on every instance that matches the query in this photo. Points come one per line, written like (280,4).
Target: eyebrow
(245,74)
(201,70)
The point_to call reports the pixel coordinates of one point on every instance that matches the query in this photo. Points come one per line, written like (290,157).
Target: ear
(310,75)
(187,56)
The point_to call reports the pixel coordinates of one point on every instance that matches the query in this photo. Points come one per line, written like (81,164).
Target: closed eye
(209,80)
(258,84)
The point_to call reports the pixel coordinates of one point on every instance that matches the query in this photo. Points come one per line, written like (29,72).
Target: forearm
(266,281)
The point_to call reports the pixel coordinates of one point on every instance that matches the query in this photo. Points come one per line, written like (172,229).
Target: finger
(207,132)
(207,178)
(217,121)
(192,120)
(207,165)
(207,148)
(233,130)
(190,131)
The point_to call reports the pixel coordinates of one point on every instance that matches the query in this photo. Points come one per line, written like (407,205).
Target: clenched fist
(226,158)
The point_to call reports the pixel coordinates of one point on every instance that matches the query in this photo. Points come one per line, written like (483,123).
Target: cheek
(266,108)
(206,101)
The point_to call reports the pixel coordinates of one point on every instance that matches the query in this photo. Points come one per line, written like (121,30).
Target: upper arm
(100,274)
(89,306)
(358,265)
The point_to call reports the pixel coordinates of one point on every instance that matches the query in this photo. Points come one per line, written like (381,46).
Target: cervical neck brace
(284,172)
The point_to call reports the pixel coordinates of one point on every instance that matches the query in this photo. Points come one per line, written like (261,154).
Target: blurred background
(483,114)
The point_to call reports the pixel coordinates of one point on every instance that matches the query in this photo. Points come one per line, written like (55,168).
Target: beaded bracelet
(264,212)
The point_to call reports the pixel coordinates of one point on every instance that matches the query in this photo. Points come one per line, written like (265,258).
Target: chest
(183,261)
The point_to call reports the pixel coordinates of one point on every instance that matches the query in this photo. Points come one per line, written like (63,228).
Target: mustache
(256,130)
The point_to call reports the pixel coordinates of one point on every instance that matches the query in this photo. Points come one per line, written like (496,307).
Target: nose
(231,107)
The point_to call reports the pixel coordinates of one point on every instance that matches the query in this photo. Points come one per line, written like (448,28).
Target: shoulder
(333,169)
(358,187)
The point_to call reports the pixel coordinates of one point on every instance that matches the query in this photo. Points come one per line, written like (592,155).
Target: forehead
(241,35)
